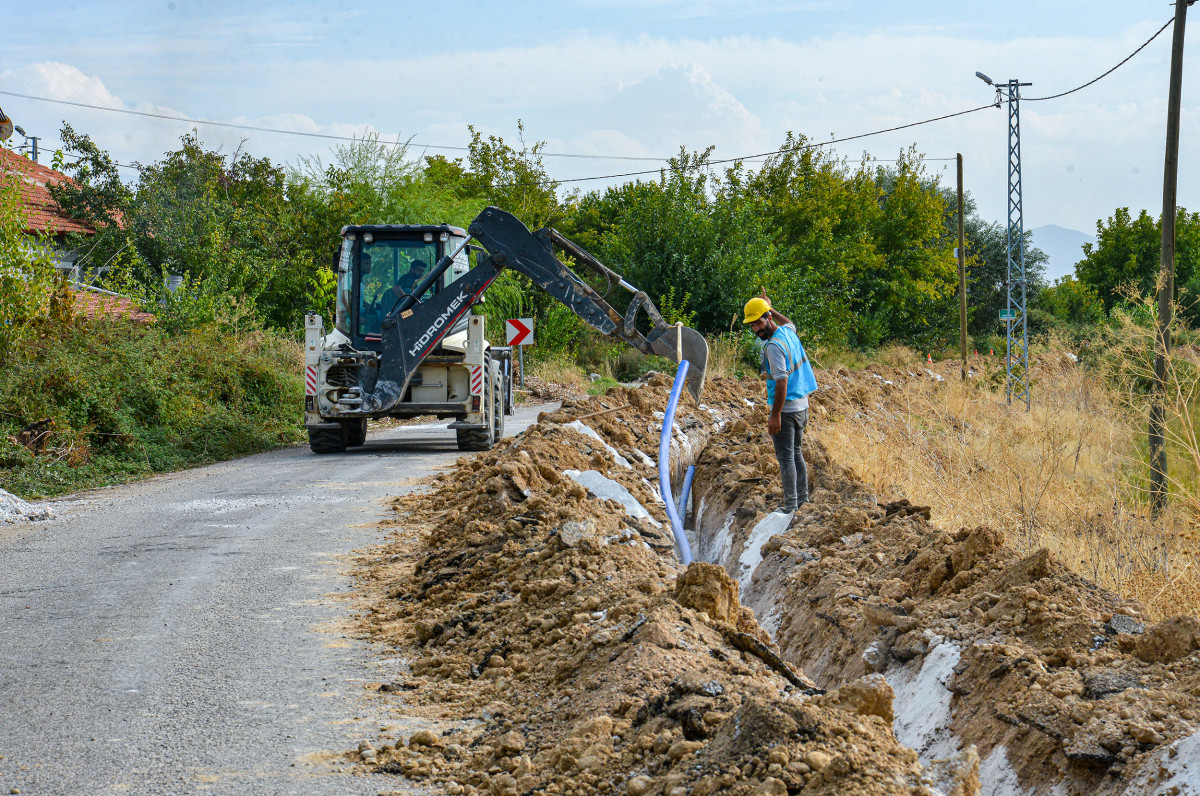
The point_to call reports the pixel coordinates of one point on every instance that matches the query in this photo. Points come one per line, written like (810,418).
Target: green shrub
(125,400)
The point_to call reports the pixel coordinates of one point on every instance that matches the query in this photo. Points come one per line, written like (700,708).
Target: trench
(522,584)
(723,533)
(729,526)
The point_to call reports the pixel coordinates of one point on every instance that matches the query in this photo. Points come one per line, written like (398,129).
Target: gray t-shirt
(777,369)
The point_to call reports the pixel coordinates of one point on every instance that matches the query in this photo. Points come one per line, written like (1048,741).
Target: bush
(27,275)
(122,400)
(1072,302)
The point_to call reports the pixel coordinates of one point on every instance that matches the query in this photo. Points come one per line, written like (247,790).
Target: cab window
(391,270)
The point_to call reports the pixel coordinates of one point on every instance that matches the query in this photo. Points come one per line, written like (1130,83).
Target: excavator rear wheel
(498,414)
(327,440)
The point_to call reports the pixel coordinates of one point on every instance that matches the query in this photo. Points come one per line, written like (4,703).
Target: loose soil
(555,645)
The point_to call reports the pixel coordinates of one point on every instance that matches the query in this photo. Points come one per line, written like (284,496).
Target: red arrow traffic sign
(519,331)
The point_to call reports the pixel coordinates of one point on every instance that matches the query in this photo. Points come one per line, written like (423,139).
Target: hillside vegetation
(858,253)
(97,402)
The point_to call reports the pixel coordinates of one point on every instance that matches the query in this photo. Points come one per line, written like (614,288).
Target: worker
(403,288)
(790,380)
(408,282)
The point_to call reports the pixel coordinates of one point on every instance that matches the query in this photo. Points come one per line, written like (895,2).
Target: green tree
(221,223)
(1071,301)
(912,295)
(97,196)
(811,214)
(987,271)
(692,236)
(27,268)
(1126,255)
(513,179)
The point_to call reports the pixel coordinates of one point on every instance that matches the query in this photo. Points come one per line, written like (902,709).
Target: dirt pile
(1055,681)
(535,597)
(552,615)
(543,390)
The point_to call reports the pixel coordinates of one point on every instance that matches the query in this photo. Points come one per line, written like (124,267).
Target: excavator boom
(512,245)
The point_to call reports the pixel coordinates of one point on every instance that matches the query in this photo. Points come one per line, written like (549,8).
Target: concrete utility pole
(30,145)
(962,276)
(1166,281)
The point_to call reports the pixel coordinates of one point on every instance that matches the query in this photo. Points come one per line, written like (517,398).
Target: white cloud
(60,81)
(646,95)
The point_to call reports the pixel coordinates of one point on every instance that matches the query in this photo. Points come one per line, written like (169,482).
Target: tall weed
(1065,475)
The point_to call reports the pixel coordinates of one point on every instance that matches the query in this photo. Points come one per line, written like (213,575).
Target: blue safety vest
(800,379)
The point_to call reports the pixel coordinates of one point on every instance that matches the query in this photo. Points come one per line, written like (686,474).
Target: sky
(607,84)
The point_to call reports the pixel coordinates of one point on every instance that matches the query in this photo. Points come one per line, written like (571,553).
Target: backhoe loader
(406,344)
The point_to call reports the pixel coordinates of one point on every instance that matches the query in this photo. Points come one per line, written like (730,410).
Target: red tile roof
(94,305)
(44,214)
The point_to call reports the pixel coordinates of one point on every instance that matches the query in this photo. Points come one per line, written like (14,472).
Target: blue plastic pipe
(683,495)
(664,467)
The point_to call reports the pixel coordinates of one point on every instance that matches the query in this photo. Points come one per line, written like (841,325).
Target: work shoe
(785,510)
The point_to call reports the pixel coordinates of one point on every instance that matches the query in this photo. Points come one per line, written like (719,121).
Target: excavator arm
(510,243)
(415,328)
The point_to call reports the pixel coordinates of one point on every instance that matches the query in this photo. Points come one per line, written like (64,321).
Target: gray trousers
(792,471)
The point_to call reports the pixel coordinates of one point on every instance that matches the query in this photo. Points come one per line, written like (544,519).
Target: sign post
(1008,316)
(519,332)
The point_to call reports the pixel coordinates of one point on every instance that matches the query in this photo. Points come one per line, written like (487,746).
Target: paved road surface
(187,634)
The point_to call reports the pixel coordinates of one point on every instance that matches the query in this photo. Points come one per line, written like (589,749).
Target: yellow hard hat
(755,309)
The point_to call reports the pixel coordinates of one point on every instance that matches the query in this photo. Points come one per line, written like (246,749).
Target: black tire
(355,431)
(498,414)
(474,439)
(480,439)
(327,440)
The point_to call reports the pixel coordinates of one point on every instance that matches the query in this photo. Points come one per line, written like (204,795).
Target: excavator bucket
(681,343)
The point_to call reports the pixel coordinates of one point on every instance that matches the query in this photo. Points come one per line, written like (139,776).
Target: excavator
(405,342)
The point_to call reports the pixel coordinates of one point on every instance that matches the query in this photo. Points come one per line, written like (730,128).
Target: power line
(332,137)
(780,151)
(742,158)
(325,136)
(1109,72)
(903,126)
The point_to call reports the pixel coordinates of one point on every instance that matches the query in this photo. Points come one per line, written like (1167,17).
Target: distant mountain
(1063,246)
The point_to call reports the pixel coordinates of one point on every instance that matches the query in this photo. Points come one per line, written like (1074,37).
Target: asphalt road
(189,633)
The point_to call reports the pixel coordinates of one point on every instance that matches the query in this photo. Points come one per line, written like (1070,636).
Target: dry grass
(1063,475)
(559,368)
(725,356)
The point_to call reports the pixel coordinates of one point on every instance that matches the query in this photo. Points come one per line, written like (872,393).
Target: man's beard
(763,334)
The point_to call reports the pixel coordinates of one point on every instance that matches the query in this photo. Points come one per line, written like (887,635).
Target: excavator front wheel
(356,431)
(327,440)
(482,439)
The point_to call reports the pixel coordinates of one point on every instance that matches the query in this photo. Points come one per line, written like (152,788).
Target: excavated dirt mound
(545,629)
(558,623)
(1055,681)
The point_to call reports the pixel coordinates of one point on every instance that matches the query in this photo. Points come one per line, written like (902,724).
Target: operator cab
(381,264)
